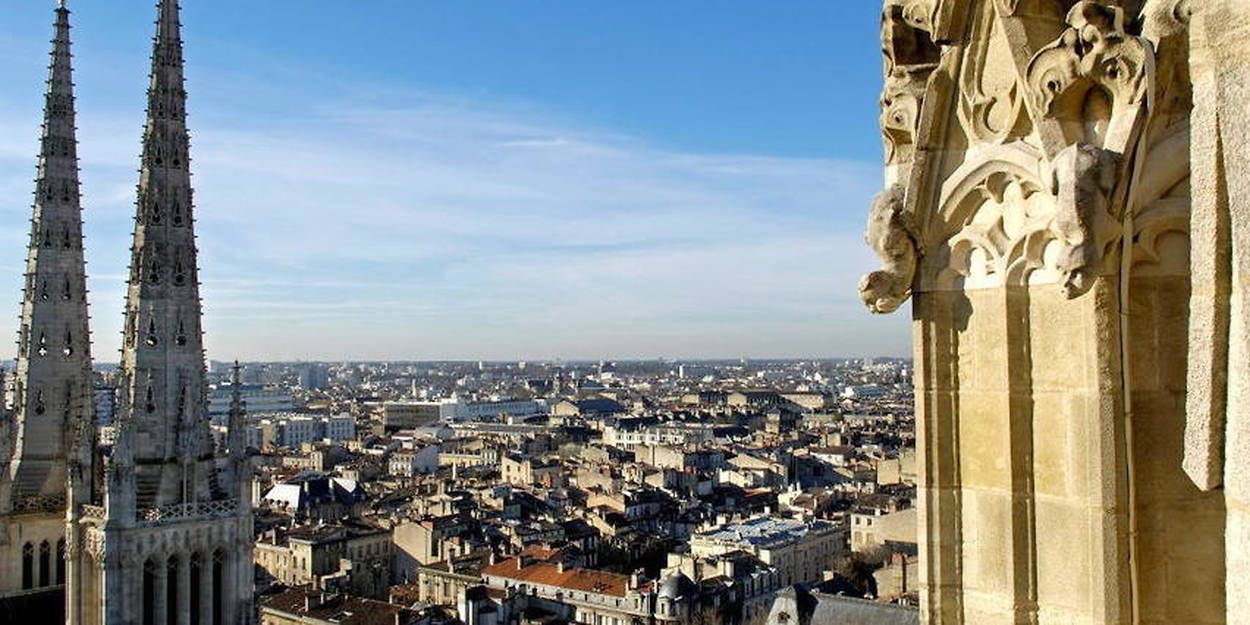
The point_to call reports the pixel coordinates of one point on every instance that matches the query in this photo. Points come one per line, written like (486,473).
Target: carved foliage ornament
(1093,79)
(990,106)
(910,58)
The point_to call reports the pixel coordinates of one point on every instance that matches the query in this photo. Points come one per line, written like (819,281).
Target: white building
(672,434)
(418,461)
(292,430)
(340,428)
(864,391)
(800,550)
(871,530)
(472,411)
(258,399)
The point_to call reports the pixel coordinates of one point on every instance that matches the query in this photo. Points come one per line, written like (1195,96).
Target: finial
(60,4)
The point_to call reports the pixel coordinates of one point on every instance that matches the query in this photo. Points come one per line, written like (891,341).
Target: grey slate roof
(816,608)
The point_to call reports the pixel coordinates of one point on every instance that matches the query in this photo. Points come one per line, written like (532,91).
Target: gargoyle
(1082,180)
(893,236)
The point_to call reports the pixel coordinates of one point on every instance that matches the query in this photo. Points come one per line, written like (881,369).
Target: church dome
(676,586)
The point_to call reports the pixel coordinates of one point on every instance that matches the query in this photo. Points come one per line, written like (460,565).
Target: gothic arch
(995,223)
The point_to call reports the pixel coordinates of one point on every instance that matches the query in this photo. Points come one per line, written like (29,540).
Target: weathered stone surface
(1072,349)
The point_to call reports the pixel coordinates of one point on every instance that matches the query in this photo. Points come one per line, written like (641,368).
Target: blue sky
(486,178)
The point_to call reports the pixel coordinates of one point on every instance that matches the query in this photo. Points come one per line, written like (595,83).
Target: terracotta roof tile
(584,580)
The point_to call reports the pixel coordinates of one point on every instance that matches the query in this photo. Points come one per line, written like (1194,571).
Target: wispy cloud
(448,227)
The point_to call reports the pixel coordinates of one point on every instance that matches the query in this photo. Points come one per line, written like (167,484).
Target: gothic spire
(52,387)
(165,394)
(236,440)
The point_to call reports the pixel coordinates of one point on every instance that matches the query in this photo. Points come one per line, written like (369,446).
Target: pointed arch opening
(180,272)
(60,561)
(219,587)
(195,586)
(171,589)
(28,566)
(149,592)
(154,272)
(45,564)
(151,338)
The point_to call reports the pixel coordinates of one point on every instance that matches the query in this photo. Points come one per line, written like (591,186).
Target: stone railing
(92,512)
(187,511)
(39,503)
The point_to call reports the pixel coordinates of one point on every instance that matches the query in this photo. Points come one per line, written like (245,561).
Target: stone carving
(996,223)
(990,106)
(900,111)
(93,542)
(1060,142)
(910,57)
(1093,78)
(1094,81)
(1165,23)
(892,235)
(1082,181)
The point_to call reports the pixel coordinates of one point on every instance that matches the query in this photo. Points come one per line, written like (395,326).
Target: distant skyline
(465,181)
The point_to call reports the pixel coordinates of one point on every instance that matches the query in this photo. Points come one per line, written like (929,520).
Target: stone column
(119,597)
(205,589)
(184,590)
(160,592)
(1218,431)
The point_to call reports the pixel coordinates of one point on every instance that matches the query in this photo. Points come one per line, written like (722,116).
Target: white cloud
(453,228)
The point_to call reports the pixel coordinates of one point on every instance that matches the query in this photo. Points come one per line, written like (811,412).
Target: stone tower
(168,539)
(52,407)
(1066,205)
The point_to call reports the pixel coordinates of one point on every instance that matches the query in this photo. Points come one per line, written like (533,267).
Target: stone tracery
(1038,210)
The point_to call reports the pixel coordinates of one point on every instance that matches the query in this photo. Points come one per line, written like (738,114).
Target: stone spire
(236,437)
(52,387)
(164,399)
